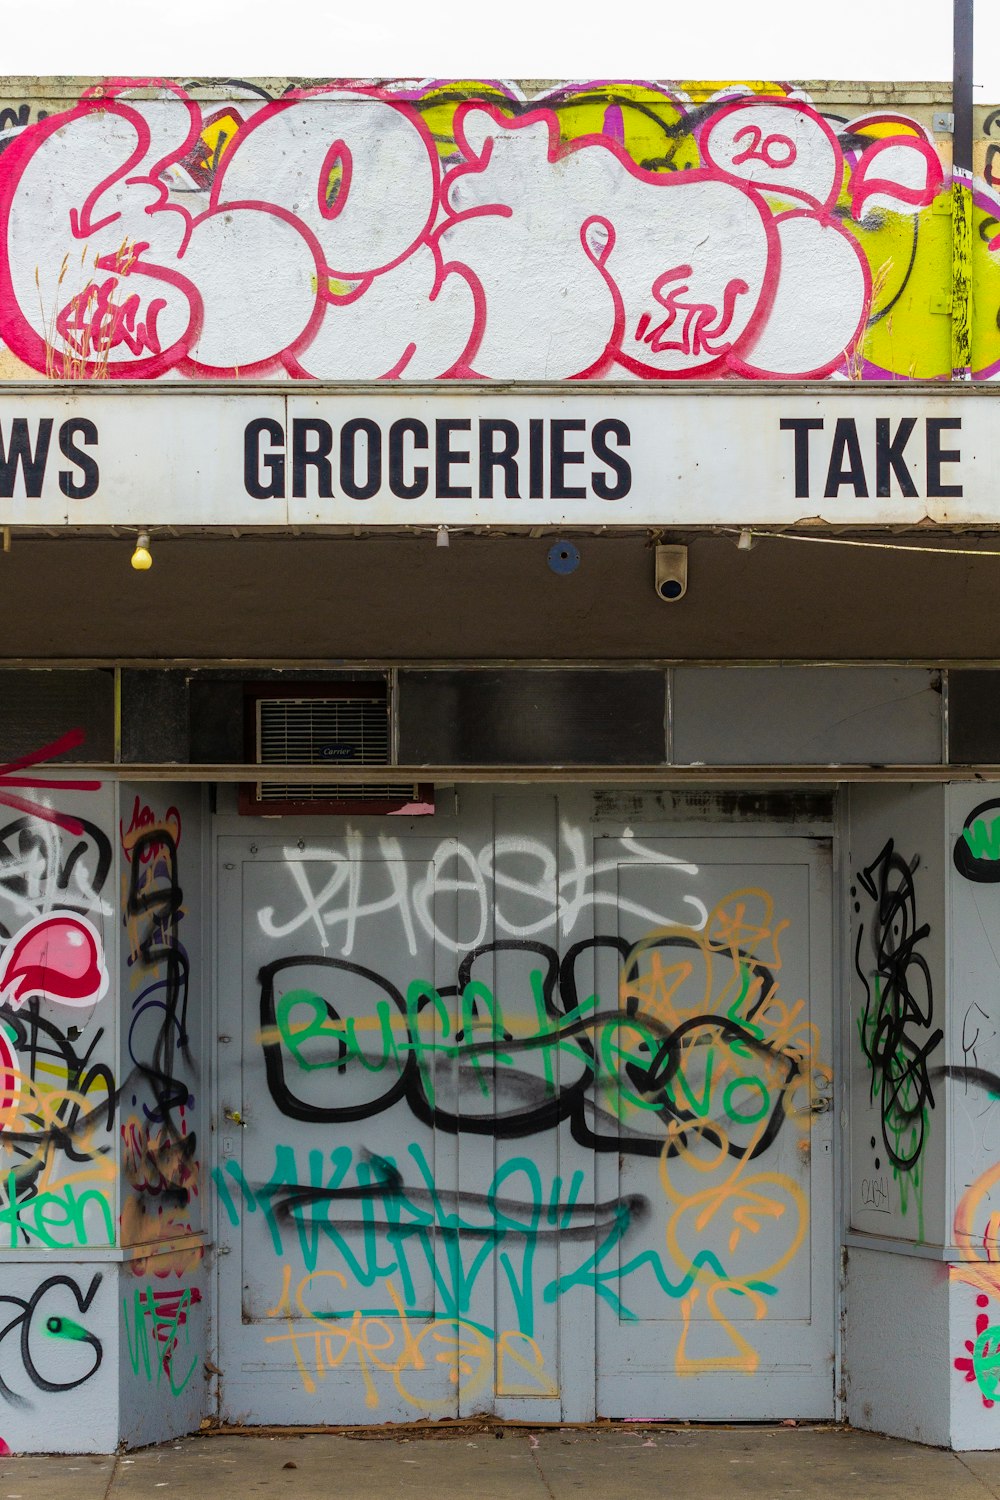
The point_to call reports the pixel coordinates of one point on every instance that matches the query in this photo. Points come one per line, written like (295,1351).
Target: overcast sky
(848,39)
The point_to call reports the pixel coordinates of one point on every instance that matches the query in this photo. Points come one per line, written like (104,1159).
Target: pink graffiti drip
(614,124)
(57,957)
(169,1310)
(967,1367)
(9,1087)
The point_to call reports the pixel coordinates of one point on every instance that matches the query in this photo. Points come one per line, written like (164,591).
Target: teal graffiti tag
(378,1227)
(986,1361)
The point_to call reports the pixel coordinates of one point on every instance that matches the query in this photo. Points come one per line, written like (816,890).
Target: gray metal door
(516,1119)
(717,1300)
(332,1205)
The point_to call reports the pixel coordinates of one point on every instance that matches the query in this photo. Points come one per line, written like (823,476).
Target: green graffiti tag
(986,1361)
(160,1316)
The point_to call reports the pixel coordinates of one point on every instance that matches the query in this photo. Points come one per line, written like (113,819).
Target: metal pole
(962,85)
(961,193)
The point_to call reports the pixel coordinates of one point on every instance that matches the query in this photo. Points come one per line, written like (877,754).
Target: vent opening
(328,725)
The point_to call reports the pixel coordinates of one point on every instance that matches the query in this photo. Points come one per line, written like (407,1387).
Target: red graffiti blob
(9,1074)
(57,957)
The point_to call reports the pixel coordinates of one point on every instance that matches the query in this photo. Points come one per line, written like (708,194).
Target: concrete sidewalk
(754,1463)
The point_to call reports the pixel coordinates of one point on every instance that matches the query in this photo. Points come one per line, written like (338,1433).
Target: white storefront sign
(469,456)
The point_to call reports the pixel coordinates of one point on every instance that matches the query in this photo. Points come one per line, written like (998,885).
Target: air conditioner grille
(314,731)
(323,731)
(337,791)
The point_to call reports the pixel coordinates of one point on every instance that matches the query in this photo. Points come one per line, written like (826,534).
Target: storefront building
(504,914)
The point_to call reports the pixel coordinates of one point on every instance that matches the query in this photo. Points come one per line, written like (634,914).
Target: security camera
(671,573)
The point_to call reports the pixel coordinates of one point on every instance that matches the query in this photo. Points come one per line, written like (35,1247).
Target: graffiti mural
(57,957)
(664,234)
(340,901)
(401,1037)
(689,1067)
(978,1275)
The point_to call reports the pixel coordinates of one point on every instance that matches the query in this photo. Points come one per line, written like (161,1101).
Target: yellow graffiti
(985,274)
(977,1231)
(746,1359)
(715,1192)
(39,1124)
(390,1345)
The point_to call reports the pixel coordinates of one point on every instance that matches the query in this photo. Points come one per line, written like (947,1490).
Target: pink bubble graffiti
(56,957)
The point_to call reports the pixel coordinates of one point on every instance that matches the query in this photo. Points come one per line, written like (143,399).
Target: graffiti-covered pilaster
(974,1084)
(59,1088)
(163,1115)
(923,1236)
(897,980)
(103,1309)
(895,1041)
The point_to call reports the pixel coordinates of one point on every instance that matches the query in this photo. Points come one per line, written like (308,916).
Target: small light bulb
(142,558)
(443,539)
(745,543)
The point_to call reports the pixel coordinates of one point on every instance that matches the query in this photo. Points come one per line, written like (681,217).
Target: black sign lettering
(936,456)
(18,453)
(801,427)
(620,467)
(406,489)
(445,457)
(491,458)
(305,456)
(264,473)
(845,446)
(536,458)
(372,482)
(889,458)
(86,431)
(559,459)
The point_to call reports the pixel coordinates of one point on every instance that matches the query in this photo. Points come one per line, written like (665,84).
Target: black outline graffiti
(286,1201)
(155,898)
(37,1038)
(38,842)
(982,1078)
(898,1060)
(573,1100)
(973,866)
(161,906)
(23,1321)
